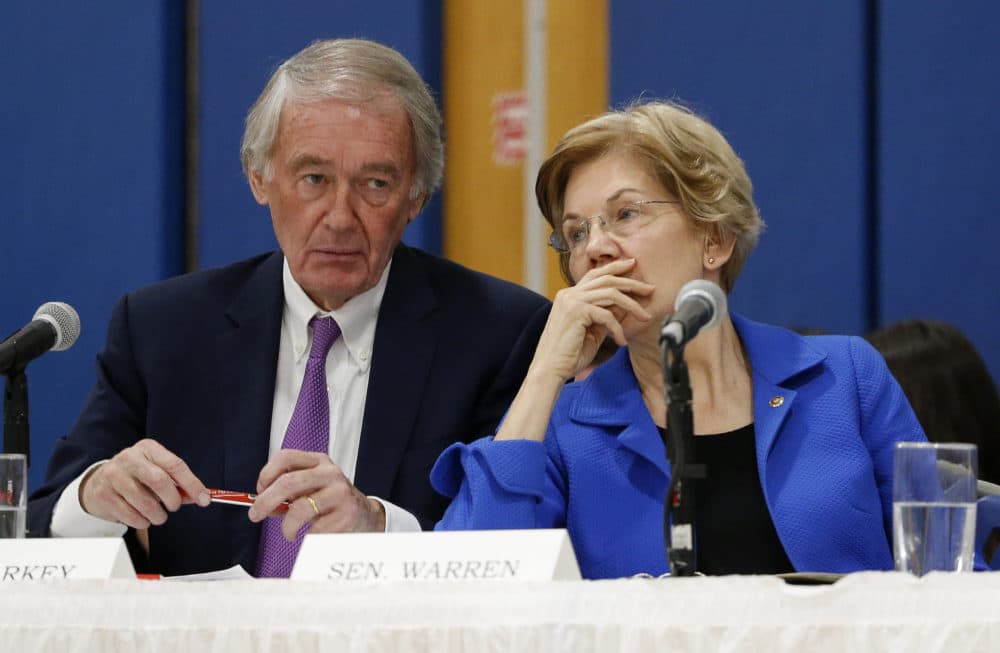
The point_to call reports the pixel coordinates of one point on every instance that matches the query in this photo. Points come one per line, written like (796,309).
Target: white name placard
(38,559)
(514,555)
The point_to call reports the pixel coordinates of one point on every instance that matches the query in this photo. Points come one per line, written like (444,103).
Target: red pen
(237,498)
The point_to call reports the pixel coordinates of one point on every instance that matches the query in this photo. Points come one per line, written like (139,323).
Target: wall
(787,88)
(939,89)
(868,130)
(484,214)
(91,176)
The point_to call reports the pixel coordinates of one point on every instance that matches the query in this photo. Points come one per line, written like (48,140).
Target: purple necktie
(308,430)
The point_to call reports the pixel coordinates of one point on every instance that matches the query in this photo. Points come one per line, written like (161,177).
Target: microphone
(55,325)
(983,488)
(700,305)
(986,489)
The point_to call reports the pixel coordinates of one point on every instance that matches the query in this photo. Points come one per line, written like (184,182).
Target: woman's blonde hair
(682,151)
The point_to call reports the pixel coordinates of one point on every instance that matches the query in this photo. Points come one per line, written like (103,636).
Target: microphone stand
(679,526)
(15,409)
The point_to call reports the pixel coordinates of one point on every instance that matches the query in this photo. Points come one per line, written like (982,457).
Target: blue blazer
(826,414)
(191,362)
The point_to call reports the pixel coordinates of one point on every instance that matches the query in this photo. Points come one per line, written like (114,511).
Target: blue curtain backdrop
(92,176)
(939,137)
(787,87)
(868,129)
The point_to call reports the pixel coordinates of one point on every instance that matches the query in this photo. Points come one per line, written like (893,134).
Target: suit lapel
(401,360)
(248,352)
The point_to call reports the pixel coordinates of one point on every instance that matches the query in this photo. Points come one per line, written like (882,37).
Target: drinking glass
(13,494)
(934,506)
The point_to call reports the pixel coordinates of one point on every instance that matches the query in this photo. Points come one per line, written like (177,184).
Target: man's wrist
(69,519)
(83,484)
(397,520)
(377,514)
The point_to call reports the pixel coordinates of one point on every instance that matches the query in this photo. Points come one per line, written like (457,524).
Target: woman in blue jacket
(797,432)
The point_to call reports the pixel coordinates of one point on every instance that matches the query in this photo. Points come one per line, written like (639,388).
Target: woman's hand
(581,318)
(584,315)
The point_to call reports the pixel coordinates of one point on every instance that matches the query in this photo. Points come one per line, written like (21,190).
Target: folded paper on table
(64,558)
(236,572)
(810,577)
(500,555)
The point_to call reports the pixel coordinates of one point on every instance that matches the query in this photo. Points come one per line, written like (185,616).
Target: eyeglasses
(625,220)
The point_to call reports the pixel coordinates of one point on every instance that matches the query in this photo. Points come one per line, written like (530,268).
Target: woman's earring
(711,260)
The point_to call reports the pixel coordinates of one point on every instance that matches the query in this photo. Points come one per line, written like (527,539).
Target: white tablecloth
(863,612)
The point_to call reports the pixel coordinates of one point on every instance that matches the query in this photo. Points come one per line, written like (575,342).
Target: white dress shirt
(347,369)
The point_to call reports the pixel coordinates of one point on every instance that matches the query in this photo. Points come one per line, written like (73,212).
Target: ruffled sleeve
(499,485)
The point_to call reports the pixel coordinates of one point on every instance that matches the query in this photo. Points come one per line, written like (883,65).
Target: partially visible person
(987,534)
(948,385)
(328,375)
(797,433)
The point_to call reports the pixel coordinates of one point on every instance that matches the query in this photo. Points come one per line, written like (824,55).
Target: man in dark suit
(326,377)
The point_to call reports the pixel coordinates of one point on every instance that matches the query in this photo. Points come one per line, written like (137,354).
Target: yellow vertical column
(578,57)
(483,57)
(483,75)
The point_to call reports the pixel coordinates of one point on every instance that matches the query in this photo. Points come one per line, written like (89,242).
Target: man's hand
(318,494)
(140,485)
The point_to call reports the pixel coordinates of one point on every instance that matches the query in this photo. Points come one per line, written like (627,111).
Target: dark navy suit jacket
(191,362)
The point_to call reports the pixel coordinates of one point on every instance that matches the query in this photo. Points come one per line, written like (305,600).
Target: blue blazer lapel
(610,398)
(776,357)
(772,405)
(402,354)
(248,351)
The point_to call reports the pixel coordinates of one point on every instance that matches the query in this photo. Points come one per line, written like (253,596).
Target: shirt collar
(356,317)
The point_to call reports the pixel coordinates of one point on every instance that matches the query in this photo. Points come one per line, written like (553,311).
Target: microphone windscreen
(64,319)
(708,291)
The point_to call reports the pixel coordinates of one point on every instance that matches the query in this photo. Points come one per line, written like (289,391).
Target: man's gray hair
(347,69)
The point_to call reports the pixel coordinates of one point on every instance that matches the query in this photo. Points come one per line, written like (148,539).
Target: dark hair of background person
(948,385)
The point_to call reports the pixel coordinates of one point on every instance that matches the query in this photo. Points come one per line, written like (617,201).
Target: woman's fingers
(609,324)
(585,314)
(612,297)
(614,268)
